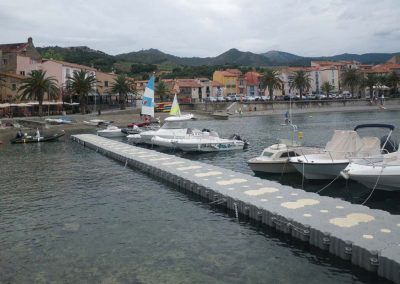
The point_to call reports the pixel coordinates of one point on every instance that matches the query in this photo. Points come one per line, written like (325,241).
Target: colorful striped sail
(148,98)
(175,110)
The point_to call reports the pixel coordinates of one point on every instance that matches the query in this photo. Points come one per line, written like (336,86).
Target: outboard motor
(390,146)
(205,130)
(237,137)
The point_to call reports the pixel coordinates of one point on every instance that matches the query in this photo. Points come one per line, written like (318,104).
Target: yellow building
(230,80)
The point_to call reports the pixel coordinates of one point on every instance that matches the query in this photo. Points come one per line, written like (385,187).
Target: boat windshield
(267,154)
(174,125)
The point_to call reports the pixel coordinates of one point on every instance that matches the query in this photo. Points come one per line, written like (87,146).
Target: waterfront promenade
(123,117)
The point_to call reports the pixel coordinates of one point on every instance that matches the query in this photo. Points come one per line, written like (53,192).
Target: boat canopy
(348,142)
(377,125)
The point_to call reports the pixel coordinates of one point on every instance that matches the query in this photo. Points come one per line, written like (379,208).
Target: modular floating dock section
(366,237)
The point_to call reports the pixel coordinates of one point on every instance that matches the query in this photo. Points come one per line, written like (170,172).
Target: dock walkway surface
(368,238)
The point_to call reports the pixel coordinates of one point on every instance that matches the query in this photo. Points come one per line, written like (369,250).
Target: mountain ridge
(234,57)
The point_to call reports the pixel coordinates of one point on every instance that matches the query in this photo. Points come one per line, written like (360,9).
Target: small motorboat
(275,158)
(380,172)
(220,115)
(61,120)
(111,131)
(97,122)
(36,138)
(343,146)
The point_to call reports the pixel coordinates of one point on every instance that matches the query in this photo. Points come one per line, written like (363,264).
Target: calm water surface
(71,215)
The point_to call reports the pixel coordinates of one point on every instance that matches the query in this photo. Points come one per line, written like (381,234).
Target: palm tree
(352,79)
(36,86)
(300,80)
(271,81)
(327,88)
(370,81)
(122,86)
(162,90)
(3,84)
(393,80)
(82,83)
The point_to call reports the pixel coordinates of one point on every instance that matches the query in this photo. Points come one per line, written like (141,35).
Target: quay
(367,238)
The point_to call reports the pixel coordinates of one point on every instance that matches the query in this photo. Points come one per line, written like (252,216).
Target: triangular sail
(175,110)
(148,98)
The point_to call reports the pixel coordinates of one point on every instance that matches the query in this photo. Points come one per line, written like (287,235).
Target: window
(22,73)
(14,87)
(105,83)
(289,154)
(5,61)
(67,72)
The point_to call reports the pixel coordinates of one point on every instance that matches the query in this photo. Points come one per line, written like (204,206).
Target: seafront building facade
(19,59)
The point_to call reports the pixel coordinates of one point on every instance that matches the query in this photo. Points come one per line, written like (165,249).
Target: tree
(162,90)
(370,81)
(3,84)
(36,86)
(271,81)
(82,83)
(327,88)
(393,80)
(301,81)
(122,86)
(51,53)
(352,79)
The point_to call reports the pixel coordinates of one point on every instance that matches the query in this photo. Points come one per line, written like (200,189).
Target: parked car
(321,97)
(249,98)
(220,99)
(312,97)
(265,98)
(210,99)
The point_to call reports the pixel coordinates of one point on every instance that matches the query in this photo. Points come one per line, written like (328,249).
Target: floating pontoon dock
(368,238)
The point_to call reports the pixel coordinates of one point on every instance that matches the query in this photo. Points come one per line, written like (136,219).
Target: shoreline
(122,117)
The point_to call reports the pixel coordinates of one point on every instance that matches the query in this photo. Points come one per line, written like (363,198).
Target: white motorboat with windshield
(275,158)
(378,172)
(345,144)
(175,127)
(111,131)
(208,141)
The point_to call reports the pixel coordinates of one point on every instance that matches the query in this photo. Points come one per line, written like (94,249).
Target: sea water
(71,215)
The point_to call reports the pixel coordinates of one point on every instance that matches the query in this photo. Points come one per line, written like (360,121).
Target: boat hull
(110,134)
(319,171)
(387,179)
(203,146)
(30,139)
(276,167)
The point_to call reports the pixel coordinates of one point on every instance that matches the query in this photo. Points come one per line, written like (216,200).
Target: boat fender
(300,135)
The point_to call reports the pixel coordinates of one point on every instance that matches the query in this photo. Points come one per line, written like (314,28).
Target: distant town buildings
(17,60)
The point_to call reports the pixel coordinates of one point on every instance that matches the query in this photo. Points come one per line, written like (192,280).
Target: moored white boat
(209,142)
(345,144)
(97,122)
(110,131)
(382,172)
(175,126)
(275,158)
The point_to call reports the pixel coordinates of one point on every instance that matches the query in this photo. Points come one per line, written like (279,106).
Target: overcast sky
(206,27)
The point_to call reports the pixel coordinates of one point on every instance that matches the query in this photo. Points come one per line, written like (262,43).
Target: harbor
(121,207)
(368,238)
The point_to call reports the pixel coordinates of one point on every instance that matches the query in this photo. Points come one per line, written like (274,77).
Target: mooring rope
(218,201)
(302,178)
(328,183)
(236,210)
(373,189)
